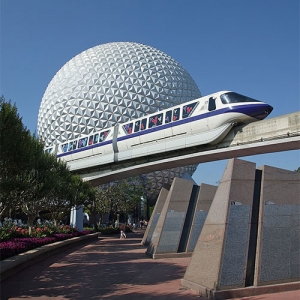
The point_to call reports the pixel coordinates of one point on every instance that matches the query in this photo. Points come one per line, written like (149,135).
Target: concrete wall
(219,260)
(178,226)
(251,236)
(278,244)
(155,215)
(204,200)
(167,233)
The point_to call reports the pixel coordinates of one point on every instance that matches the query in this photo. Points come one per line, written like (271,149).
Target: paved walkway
(108,268)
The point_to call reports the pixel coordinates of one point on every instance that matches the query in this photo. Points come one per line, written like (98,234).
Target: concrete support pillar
(168,230)
(219,260)
(205,197)
(278,243)
(155,215)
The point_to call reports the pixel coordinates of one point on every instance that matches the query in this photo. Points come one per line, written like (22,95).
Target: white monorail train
(206,120)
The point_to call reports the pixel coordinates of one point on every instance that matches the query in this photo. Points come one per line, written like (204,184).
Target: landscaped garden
(15,239)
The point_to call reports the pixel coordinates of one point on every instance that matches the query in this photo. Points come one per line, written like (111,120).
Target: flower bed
(16,240)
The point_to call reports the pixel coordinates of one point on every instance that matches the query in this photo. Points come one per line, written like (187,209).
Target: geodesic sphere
(159,178)
(108,84)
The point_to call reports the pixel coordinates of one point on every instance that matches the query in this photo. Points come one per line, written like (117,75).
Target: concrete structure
(251,233)
(204,200)
(167,233)
(155,215)
(220,258)
(178,218)
(278,242)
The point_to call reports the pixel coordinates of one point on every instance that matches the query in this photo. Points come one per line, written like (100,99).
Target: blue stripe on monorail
(245,109)
(171,124)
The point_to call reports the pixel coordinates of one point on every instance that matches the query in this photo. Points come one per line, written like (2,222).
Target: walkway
(108,268)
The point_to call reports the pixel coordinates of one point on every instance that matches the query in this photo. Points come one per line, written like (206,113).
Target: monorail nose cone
(269,109)
(262,111)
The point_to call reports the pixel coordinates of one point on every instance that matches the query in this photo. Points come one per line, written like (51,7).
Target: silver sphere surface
(113,83)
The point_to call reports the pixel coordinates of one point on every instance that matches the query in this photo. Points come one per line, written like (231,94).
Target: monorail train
(206,120)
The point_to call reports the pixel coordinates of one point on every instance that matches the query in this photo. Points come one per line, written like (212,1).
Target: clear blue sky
(251,47)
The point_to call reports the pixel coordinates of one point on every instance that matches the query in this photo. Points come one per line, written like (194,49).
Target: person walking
(122,231)
(122,235)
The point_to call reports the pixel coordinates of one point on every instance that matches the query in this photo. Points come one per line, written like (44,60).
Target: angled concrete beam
(155,215)
(168,230)
(278,243)
(219,260)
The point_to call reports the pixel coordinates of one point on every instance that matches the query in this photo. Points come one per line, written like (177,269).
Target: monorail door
(211,108)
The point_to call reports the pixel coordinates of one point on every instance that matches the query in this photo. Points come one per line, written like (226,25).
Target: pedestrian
(122,231)
(122,235)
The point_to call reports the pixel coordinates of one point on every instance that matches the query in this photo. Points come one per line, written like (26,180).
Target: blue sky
(251,47)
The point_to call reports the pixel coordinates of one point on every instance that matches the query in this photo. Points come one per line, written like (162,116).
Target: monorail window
(96,138)
(176,114)
(64,147)
(137,126)
(82,142)
(168,117)
(188,109)
(211,104)
(91,139)
(155,120)
(232,97)
(74,145)
(143,124)
(103,135)
(128,128)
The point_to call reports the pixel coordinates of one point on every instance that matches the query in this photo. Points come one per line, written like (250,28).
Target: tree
(30,179)
(37,181)
(298,170)
(68,191)
(55,180)
(14,141)
(121,196)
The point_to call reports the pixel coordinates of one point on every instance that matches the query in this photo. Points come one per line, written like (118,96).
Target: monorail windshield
(232,97)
